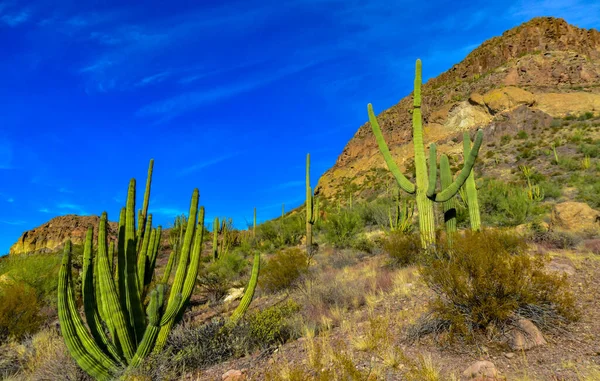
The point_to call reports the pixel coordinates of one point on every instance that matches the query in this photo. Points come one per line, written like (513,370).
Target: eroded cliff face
(52,235)
(540,70)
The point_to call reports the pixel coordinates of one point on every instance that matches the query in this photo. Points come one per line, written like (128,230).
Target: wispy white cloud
(65,190)
(207,163)
(583,13)
(179,104)
(10,200)
(15,19)
(13,222)
(154,78)
(78,209)
(44,210)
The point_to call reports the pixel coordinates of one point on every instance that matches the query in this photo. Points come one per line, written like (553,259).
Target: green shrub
(270,326)
(283,270)
(551,189)
(522,135)
(218,277)
(505,139)
(282,232)
(363,244)
(591,150)
(19,310)
(404,249)
(503,204)
(488,279)
(341,228)
(555,239)
(585,116)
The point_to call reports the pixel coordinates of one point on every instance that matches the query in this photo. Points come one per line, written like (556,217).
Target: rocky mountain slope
(540,70)
(51,236)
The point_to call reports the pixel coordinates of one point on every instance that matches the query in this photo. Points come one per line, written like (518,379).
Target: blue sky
(226,96)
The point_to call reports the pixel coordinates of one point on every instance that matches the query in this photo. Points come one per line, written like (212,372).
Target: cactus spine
(114,301)
(424,189)
(310,208)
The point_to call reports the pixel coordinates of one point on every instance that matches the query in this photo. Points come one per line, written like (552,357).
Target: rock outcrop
(52,235)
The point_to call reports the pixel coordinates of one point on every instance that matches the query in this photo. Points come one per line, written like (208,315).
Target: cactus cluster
(401,215)
(222,238)
(120,334)
(425,186)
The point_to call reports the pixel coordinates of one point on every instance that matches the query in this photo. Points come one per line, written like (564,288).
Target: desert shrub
(271,326)
(551,189)
(555,239)
(488,278)
(342,228)
(588,188)
(19,310)
(522,135)
(505,139)
(569,164)
(363,244)
(283,270)
(38,271)
(503,204)
(12,361)
(585,116)
(591,150)
(404,249)
(282,232)
(216,278)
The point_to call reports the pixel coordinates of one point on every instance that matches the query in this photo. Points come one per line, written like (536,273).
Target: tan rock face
(505,98)
(542,69)
(562,104)
(52,235)
(575,216)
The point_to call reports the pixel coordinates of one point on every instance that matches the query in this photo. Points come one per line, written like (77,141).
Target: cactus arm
(88,356)
(432,170)
(121,270)
(134,303)
(216,238)
(254,226)
(404,183)
(167,274)
(151,333)
(471,189)
(119,322)
(142,218)
(142,260)
(153,255)
(180,272)
(450,205)
(192,270)
(249,293)
(450,191)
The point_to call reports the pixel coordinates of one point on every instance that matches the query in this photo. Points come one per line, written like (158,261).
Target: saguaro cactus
(471,188)
(424,189)
(310,208)
(120,335)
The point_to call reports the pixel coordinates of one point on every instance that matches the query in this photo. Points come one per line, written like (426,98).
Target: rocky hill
(538,71)
(51,236)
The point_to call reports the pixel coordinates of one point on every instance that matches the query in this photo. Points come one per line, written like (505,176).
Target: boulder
(525,335)
(504,98)
(481,370)
(575,217)
(233,375)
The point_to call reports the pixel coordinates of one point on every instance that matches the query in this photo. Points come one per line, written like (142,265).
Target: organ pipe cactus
(241,309)
(425,185)
(119,335)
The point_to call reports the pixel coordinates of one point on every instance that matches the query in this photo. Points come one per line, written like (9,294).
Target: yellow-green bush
(270,326)
(488,278)
(19,310)
(404,249)
(283,270)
